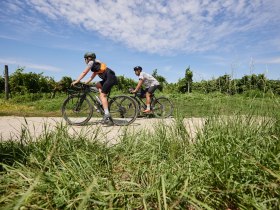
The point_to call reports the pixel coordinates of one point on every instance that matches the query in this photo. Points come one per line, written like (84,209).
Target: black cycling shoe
(106,119)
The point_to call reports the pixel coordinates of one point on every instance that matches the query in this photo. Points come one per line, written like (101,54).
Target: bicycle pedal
(147,112)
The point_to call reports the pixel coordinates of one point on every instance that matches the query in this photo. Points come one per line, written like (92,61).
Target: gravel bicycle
(160,106)
(83,102)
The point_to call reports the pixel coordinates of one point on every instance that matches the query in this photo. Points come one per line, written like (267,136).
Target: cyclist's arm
(82,75)
(140,83)
(91,77)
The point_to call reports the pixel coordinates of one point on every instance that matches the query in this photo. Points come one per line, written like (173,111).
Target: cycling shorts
(152,89)
(109,81)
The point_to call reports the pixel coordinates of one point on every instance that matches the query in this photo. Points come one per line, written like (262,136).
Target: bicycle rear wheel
(123,110)
(76,110)
(162,107)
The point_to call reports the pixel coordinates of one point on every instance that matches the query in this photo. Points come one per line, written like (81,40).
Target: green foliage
(181,86)
(274,86)
(188,79)
(184,85)
(20,82)
(171,88)
(2,84)
(27,97)
(162,81)
(225,84)
(64,83)
(124,84)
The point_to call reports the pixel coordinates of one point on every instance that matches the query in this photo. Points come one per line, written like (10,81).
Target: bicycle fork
(79,103)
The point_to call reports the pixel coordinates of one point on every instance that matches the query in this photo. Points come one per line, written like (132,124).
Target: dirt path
(13,127)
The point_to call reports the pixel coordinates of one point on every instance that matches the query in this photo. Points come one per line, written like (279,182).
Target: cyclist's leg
(99,85)
(107,85)
(149,93)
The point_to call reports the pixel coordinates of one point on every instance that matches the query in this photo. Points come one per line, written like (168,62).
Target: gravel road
(11,127)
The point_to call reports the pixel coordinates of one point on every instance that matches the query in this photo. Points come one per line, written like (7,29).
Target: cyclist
(150,83)
(108,77)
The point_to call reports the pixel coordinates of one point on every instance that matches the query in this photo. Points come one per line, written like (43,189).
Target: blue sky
(213,37)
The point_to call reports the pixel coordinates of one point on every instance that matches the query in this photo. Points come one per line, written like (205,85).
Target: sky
(212,37)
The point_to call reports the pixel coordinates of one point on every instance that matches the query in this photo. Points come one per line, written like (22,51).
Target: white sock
(148,106)
(106,111)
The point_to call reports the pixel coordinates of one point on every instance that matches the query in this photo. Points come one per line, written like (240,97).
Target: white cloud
(39,67)
(163,26)
(9,37)
(272,60)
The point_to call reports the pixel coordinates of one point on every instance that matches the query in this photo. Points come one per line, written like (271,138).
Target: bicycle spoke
(123,110)
(162,107)
(77,111)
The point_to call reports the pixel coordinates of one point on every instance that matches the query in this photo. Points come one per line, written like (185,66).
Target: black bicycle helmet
(90,54)
(136,68)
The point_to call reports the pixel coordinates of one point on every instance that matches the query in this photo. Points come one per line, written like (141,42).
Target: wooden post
(6,82)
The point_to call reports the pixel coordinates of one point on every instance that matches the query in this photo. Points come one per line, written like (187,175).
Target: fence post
(7,82)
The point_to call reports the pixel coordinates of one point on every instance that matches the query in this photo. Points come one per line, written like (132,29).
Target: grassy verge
(187,105)
(234,164)
(201,105)
(43,106)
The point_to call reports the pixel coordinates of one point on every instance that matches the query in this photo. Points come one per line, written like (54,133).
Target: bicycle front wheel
(162,107)
(76,110)
(123,110)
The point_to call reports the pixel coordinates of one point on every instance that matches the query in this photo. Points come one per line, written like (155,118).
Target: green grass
(188,105)
(32,106)
(233,163)
(201,105)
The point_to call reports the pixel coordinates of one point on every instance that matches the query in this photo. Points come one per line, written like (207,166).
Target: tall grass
(188,105)
(201,105)
(233,164)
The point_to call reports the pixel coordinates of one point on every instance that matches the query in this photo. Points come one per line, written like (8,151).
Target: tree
(181,85)
(62,85)
(275,86)
(162,81)
(223,83)
(188,79)
(261,82)
(125,83)
(21,82)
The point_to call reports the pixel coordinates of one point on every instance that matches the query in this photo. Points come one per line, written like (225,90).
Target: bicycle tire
(123,110)
(73,113)
(138,104)
(162,107)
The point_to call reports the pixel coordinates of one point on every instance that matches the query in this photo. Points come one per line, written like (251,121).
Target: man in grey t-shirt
(149,82)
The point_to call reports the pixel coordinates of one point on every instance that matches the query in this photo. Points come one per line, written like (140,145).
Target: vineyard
(25,83)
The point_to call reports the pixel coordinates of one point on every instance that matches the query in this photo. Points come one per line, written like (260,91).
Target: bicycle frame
(140,100)
(96,103)
(88,93)
(160,106)
(78,107)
